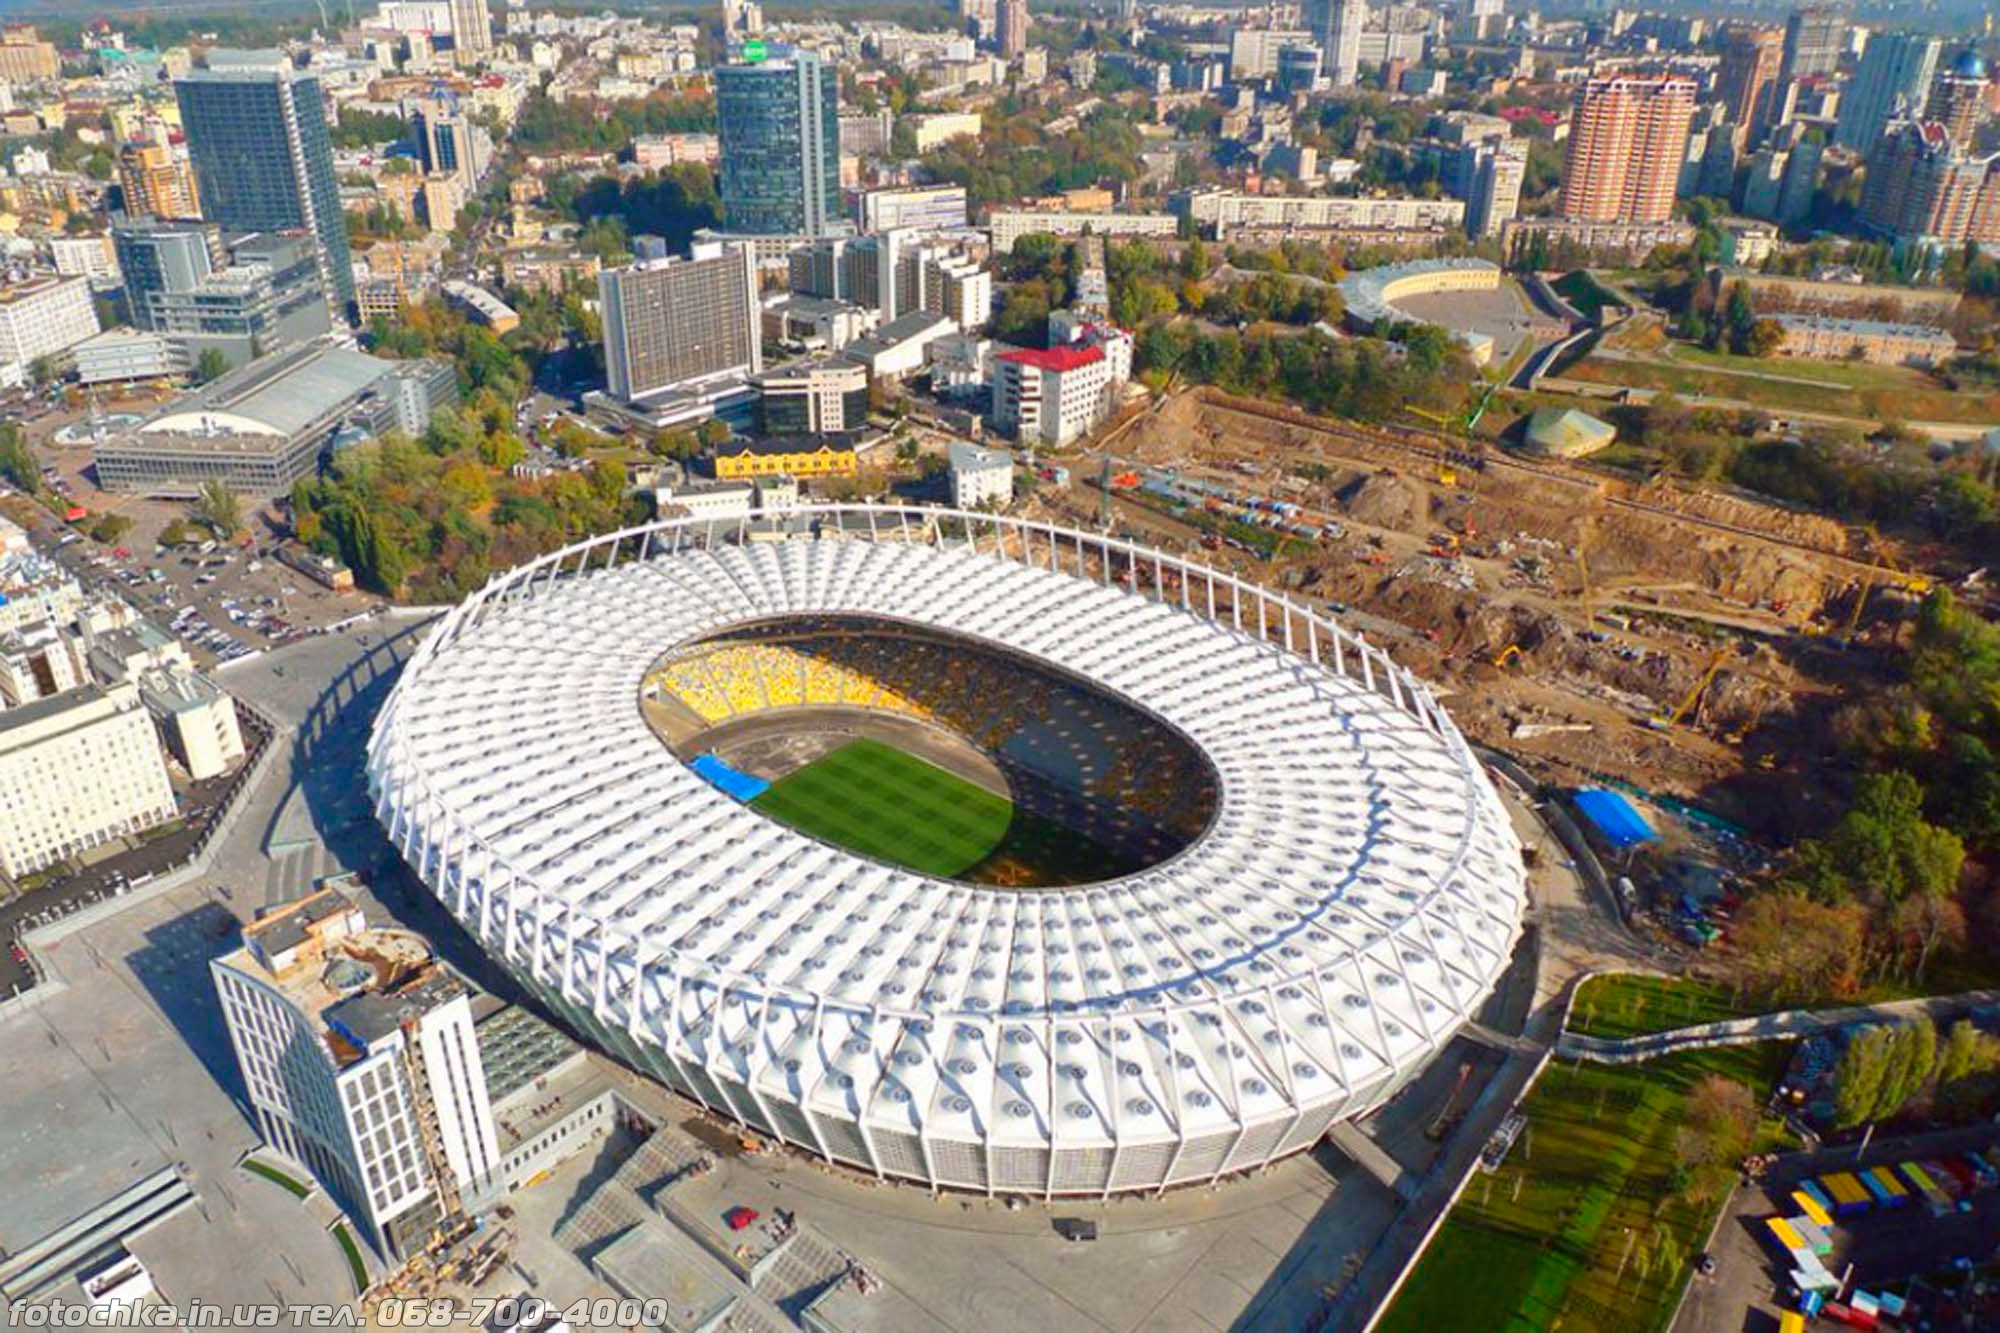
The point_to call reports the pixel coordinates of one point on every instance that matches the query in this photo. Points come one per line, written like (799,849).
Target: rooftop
(1054,358)
(286,393)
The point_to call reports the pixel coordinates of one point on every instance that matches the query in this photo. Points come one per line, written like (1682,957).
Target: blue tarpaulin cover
(1613,816)
(740,785)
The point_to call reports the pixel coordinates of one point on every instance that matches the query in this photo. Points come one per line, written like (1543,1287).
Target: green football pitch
(877,800)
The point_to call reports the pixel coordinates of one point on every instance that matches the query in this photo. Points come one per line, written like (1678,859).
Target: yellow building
(741,460)
(156,183)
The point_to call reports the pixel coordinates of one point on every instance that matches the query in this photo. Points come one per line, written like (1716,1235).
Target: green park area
(1593,1223)
(1622,1005)
(1779,385)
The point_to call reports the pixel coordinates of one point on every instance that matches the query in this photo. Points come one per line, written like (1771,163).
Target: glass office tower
(780,129)
(263,156)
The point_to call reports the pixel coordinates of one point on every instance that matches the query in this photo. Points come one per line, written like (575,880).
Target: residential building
(1879,342)
(258,135)
(448,143)
(935,129)
(481,305)
(78,768)
(1815,35)
(1746,81)
(1011,35)
(779,125)
(676,320)
(1628,242)
(1254,52)
(37,661)
(1958,99)
(897,348)
(358,1054)
(1228,210)
(866,133)
(980,477)
(824,397)
(471,28)
(25,57)
(958,287)
(196,720)
(83,257)
(1490,172)
(1923,187)
(157,182)
(1894,80)
(1627,137)
(42,317)
(921,207)
(1335,27)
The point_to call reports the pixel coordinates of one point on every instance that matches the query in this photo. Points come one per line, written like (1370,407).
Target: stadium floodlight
(1352,901)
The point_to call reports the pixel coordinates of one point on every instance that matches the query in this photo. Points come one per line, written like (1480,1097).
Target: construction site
(1694,644)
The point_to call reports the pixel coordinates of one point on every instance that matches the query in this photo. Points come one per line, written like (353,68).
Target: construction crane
(1886,571)
(1668,721)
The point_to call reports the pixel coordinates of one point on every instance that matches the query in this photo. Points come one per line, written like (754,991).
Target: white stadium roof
(1355,899)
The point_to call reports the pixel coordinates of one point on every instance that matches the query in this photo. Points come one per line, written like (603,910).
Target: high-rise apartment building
(471,28)
(1894,80)
(156,182)
(1490,172)
(779,122)
(1746,81)
(1814,38)
(78,769)
(358,1053)
(1335,25)
(257,132)
(446,142)
(1923,187)
(1012,36)
(1627,137)
(25,57)
(1958,97)
(676,320)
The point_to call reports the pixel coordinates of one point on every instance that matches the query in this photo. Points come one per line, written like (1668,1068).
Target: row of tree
(1892,1068)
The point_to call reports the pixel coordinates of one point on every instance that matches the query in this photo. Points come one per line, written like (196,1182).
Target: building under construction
(359,1057)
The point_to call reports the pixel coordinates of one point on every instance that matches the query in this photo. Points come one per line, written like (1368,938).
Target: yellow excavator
(1668,721)
(1507,654)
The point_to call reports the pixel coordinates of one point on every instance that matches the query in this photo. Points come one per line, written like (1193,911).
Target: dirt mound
(1384,500)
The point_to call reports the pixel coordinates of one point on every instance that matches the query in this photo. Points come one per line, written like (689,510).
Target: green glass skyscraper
(263,156)
(780,129)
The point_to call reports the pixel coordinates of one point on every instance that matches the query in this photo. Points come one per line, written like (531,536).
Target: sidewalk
(1765,1027)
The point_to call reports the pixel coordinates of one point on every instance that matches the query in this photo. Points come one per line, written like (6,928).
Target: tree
(17,461)
(1718,1127)
(1857,1079)
(1882,848)
(1791,947)
(218,507)
(680,445)
(714,434)
(1967,1065)
(110,528)
(210,364)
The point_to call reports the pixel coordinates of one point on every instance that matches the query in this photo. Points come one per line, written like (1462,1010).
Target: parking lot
(222,601)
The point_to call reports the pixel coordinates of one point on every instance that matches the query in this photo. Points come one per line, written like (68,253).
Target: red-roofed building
(1052,396)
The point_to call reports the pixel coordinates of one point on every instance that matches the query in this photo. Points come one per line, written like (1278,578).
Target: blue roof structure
(1613,817)
(728,781)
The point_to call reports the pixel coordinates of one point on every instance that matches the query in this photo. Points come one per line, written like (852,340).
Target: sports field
(879,801)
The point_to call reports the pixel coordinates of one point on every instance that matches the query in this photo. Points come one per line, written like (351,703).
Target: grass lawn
(1622,1005)
(356,1269)
(875,799)
(1875,393)
(274,1175)
(1578,1229)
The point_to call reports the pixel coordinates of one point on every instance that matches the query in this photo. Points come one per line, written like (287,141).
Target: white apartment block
(980,477)
(84,256)
(40,318)
(959,288)
(1009,225)
(938,128)
(1051,396)
(77,769)
(358,1053)
(1227,209)
(925,207)
(197,720)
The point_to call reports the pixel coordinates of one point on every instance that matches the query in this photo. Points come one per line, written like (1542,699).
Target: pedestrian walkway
(1765,1027)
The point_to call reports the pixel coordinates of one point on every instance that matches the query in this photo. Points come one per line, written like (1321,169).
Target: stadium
(954,848)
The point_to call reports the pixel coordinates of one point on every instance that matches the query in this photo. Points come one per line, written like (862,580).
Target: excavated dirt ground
(1626,602)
